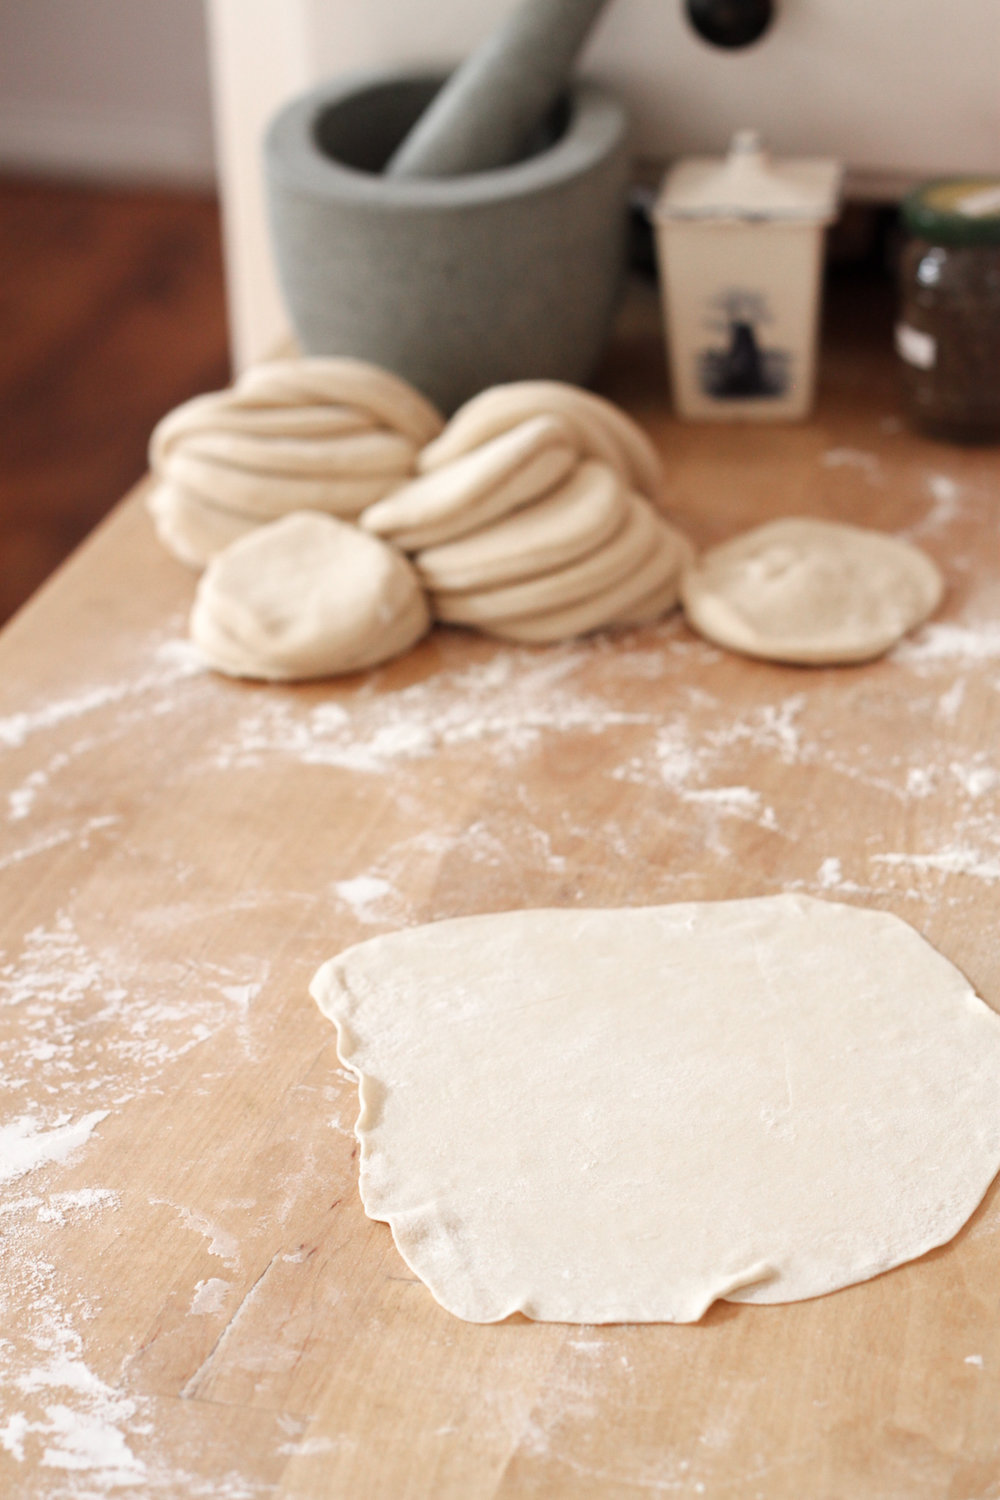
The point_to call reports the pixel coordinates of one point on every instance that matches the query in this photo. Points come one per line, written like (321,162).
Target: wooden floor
(111,312)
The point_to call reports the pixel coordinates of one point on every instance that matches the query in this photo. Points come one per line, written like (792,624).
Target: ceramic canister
(740,245)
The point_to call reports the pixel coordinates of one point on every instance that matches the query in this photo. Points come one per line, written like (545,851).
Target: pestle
(484,114)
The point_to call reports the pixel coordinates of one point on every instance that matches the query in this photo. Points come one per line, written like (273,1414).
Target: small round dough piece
(582,514)
(307,596)
(810,592)
(646,594)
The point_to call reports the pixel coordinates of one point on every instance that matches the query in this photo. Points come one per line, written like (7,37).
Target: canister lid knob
(747,184)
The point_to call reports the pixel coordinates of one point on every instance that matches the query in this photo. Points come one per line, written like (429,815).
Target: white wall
(897,89)
(904,87)
(112,89)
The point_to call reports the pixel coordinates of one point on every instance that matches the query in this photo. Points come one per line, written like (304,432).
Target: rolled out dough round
(622,1115)
(307,596)
(810,592)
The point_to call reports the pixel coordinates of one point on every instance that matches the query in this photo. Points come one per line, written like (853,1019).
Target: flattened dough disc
(807,591)
(621,1115)
(307,596)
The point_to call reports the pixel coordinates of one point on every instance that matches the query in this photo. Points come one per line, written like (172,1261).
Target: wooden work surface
(193,1301)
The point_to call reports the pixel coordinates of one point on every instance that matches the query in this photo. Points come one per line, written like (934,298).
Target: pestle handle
(483,115)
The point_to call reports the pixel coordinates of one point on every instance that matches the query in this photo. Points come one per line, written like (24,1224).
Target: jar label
(980,205)
(915,347)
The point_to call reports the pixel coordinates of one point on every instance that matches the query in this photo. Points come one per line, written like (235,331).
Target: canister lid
(955,211)
(747,184)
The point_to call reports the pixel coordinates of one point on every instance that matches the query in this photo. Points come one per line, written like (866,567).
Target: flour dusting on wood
(709,766)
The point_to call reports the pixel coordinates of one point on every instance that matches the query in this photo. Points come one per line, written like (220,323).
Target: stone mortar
(454,283)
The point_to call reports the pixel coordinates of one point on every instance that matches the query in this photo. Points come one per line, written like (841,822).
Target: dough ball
(810,592)
(331,435)
(307,596)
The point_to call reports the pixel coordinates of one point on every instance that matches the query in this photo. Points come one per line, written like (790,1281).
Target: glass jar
(948,333)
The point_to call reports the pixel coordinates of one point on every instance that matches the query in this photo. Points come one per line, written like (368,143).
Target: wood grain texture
(113,310)
(194,1302)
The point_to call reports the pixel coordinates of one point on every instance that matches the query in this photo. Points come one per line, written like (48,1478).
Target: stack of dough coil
(327,435)
(534,517)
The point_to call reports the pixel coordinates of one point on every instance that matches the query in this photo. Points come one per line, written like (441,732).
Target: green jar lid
(955,211)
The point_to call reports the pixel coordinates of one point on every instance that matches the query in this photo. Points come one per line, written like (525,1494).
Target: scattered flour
(830,877)
(946,494)
(770,727)
(311,1447)
(220,1242)
(25,1144)
(950,701)
(79,836)
(508,703)
(366,895)
(173,661)
(955,860)
(737,798)
(952,643)
(975,779)
(920,781)
(210,1297)
(58,1208)
(855,458)
(242,995)
(98,1025)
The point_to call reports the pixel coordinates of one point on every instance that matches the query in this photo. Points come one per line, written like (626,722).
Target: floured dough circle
(331,435)
(307,596)
(620,1116)
(810,592)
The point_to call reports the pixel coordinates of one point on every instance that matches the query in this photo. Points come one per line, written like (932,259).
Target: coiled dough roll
(330,435)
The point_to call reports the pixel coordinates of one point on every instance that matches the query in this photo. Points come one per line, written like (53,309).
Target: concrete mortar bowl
(455,283)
